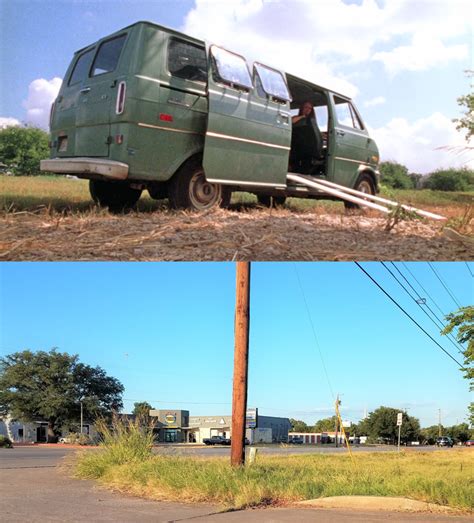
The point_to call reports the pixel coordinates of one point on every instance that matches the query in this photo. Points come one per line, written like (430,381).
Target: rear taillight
(120,104)
(51,114)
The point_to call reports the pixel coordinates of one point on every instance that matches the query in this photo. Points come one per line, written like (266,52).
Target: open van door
(249,130)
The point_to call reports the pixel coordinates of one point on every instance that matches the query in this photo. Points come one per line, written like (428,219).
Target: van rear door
(96,100)
(248,135)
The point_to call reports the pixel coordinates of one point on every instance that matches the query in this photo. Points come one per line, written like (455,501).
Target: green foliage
(467,121)
(299,426)
(5,442)
(451,180)
(396,176)
(382,424)
(462,321)
(325,425)
(50,386)
(22,148)
(142,411)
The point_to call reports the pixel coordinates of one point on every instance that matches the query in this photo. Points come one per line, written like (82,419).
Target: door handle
(340,133)
(85,90)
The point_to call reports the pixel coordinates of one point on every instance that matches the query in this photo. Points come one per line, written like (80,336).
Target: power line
(406,313)
(444,285)
(314,330)
(424,290)
(440,323)
(469,269)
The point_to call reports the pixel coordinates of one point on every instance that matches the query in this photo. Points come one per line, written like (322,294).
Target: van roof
(202,42)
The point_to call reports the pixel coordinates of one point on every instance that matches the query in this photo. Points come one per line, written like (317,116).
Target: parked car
(297,440)
(444,441)
(216,440)
(469,443)
(149,108)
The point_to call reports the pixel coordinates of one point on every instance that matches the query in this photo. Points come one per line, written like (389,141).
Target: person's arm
(297,118)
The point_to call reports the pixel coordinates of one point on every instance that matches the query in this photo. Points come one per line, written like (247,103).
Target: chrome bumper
(106,168)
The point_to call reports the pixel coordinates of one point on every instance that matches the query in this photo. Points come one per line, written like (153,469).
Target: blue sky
(166,331)
(401,60)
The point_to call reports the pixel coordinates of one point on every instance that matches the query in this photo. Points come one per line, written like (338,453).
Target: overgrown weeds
(126,463)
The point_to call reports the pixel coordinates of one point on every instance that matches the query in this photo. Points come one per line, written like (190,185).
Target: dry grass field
(53,218)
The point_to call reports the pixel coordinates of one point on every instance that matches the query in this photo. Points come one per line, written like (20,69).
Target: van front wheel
(117,196)
(189,189)
(364,184)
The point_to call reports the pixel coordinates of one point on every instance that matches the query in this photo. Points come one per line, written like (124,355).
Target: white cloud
(7,121)
(417,144)
(425,52)
(41,94)
(378,100)
(313,38)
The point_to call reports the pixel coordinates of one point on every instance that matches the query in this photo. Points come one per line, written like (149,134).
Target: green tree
(142,411)
(460,432)
(382,424)
(22,148)
(51,385)
(430,434)
(467,121)
(299,426)
(325,425)
(462,321)
(395,175)
(451,180)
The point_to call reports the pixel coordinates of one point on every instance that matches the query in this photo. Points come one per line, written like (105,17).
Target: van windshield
(108,56)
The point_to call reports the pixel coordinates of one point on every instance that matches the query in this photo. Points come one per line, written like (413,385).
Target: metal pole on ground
(239,392)
(82,417)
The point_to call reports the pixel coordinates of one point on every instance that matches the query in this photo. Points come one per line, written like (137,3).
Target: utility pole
(439,423)
(82,418)
(241,354)
(337,420)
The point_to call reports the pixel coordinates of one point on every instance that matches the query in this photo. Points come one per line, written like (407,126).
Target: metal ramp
(351,195)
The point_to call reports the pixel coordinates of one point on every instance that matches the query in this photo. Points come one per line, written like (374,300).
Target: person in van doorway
(306,111)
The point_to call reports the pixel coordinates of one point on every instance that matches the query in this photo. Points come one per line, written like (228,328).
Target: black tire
(117,196)
(364,183)
(189,189)
(271,201)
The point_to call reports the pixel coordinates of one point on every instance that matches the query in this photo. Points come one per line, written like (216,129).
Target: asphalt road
(37,486)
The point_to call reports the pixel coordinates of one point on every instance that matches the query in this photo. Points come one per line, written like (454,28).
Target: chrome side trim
(353,161)
(168,84)
(150,126)
(239,98)
(255,184)
(246,140)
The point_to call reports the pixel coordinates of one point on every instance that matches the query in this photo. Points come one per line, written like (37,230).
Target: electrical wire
(444,285)
(440,324)
(407,314)
(314,330)
(469,269)
(424,290)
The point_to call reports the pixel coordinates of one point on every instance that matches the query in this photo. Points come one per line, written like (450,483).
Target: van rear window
(108,56)
(187,61)
(81,68)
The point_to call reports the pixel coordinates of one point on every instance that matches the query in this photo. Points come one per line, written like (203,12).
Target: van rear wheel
(117,196)
(363,184)
(189,189)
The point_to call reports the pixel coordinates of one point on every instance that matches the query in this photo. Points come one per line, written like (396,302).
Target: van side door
(248,137)
(350,147)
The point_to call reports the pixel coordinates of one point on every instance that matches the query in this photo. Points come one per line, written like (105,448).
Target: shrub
(451,180)
(396,176)
(22,148)
(5,442)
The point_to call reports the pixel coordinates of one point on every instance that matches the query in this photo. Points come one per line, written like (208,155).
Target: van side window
(346,114)
(108,56)
(230,68)
(273,82)
(186,60)
(81,68)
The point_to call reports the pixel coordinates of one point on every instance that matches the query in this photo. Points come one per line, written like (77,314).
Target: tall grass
(126,463)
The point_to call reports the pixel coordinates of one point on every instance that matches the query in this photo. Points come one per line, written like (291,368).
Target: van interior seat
(306,145)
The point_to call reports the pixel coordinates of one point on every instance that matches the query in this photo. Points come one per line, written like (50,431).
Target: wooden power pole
(241,358)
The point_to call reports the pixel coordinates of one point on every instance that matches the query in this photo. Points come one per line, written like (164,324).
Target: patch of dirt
(255,234)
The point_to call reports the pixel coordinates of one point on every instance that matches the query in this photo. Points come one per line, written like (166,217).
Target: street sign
(251,418)
(399,418)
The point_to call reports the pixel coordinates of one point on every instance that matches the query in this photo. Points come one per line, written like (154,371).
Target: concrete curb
(382,503)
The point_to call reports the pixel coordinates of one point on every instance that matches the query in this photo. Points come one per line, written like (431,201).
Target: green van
(151,108)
